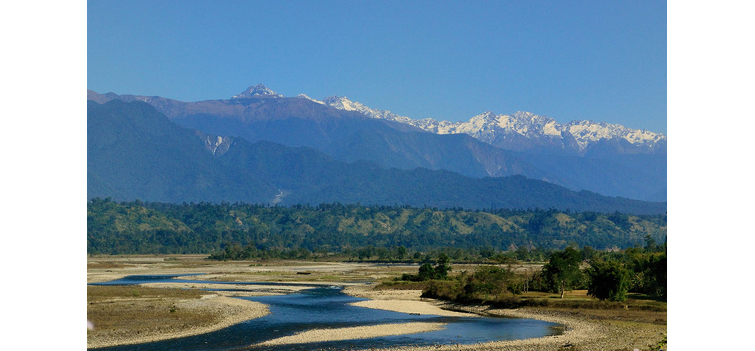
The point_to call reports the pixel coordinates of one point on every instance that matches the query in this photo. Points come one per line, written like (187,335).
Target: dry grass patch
(401,285)
(118,311)
(619,317)
(108,265)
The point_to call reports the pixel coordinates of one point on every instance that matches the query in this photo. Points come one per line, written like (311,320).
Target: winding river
(328,307)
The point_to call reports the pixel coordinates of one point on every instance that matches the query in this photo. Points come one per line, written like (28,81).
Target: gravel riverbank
(580,334)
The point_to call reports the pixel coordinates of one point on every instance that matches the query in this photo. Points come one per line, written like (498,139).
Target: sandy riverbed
(405,301)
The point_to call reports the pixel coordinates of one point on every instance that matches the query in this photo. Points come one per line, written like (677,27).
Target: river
(328,307)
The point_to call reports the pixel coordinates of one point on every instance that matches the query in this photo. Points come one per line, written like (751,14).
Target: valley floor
(583,332)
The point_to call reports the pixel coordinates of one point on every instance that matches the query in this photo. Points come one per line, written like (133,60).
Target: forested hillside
(145,228)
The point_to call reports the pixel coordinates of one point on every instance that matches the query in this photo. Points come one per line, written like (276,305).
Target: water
(328,307)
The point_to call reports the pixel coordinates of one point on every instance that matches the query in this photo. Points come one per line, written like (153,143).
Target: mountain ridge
(488,127)
(586,130)
(350,131)
(135,152)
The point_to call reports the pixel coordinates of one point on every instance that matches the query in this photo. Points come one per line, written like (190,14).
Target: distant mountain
(524,131)
(257,91)
(260,114)
(135,152)
(607,159)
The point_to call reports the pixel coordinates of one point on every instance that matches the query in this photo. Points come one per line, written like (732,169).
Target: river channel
(328,307)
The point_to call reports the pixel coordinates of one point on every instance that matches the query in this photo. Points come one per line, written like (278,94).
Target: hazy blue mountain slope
(636,176)
(408,150)
(135,152)
(306,176)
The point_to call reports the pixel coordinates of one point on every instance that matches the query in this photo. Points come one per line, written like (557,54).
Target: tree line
(242,230)
(605,275)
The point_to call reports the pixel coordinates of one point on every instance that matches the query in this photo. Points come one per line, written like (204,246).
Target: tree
(441,267)
(401,252)
(650,271)
(608,281)
(562,270)
(426,272)
(650,245)
(522,253)
(493,281)
(588,253)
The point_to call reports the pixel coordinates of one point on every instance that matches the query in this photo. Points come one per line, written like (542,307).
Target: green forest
(386,233)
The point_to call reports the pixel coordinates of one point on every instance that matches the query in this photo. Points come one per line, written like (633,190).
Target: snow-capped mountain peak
(258,90)
(343,103)
(304,96)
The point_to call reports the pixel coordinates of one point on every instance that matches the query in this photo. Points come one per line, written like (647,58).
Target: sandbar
(350,333)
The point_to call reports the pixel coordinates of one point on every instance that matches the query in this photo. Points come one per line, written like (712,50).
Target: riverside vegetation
(626,290)
(608,277)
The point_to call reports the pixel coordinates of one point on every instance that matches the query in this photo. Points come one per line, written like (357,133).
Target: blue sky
(570,60)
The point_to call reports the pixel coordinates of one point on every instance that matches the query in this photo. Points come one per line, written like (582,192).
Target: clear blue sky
(450,60)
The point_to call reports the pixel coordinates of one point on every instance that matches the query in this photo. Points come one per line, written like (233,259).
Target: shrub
(445,290)
(608,281)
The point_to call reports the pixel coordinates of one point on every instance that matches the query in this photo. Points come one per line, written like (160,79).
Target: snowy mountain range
(521,131)
(506,131)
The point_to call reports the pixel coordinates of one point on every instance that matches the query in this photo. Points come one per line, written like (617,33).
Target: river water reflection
(328,307)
